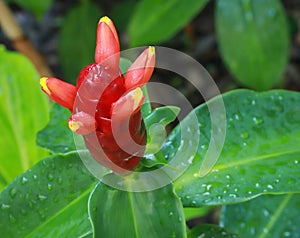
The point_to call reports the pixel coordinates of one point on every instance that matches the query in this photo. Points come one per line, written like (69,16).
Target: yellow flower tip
(106,20)
(43,83)
(151,51)
(74,126)
(137,96)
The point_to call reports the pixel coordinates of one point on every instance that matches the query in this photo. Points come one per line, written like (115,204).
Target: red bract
(106,105)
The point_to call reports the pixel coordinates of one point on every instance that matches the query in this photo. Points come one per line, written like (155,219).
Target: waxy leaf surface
(254,41)
(267,216)
(23,112)
(117,213)
(261,153)
(48,200)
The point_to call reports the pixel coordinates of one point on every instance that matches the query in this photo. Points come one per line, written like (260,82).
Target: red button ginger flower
(105,104)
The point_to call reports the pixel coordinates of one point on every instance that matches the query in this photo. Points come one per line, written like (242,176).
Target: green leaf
(155,21)
(254,40)
(191,212)
(78,39)
(38,8)
(49,200)
(155,124)
(266,216)
(117,213)
(56,136)
(207,230)
(162,115)
(23,111)
(261,153)
(121,13)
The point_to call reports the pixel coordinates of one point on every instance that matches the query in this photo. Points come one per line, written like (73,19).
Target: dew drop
(238,117)
(34,177)
(296,162)
(171,214)
(244,135)
(252,231)
(266,212)
(203,147)
(187,197)
(228,176)
(49,186)
(24,180)
(265,230)
(190,160)
(12,219)
(42,197)
(287,233)
(70,165)
(59,180)
(258,120)
(5,206)
(13,192)
(269,186)
(257,185)
(50,177)
(208,187)
(196,175)
(232,195)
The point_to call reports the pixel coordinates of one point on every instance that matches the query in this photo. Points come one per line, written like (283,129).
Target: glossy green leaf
(207,230)
(254,41)
(24,110)
(155,124)
(162,115)
(192,212)
(49,200)
(56,136)
(261,153)
(155,21)
(38,8)
(264,217)
(117,213)
(77,40)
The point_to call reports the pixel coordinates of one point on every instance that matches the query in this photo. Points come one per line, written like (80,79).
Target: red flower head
(105,104)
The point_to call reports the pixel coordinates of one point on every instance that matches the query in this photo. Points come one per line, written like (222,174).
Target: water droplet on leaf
(24,180)
(13,192)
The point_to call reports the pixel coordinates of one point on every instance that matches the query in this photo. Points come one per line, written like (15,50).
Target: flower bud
(141,70)
(107,44)
(59,91)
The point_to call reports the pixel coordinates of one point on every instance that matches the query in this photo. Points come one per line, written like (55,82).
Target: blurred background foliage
(244,43)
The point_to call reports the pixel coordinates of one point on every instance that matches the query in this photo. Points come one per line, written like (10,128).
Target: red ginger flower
(106,105)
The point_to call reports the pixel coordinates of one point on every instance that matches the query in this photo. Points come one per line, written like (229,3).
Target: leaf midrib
(276,215)
(218,168)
